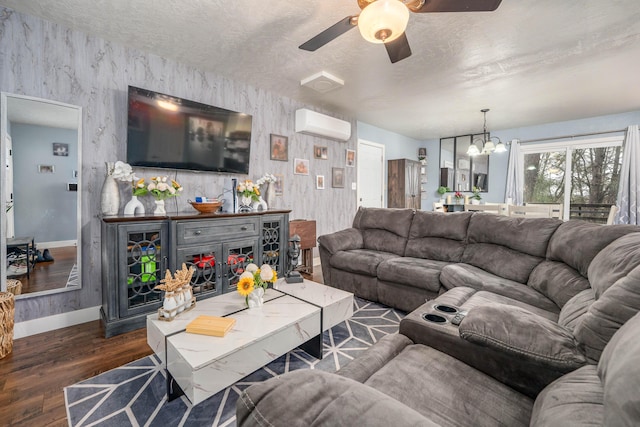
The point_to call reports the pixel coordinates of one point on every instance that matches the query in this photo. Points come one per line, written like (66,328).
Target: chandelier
(487,144)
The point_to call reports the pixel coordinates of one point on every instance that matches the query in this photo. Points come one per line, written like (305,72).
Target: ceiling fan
(384,21)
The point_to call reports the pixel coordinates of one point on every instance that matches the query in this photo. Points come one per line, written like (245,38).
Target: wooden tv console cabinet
(137,250)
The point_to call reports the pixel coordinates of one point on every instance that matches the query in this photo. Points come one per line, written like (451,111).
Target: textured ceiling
(530,62)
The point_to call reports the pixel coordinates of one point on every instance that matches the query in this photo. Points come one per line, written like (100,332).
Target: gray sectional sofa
(503,311)
(401,257)
(400,383)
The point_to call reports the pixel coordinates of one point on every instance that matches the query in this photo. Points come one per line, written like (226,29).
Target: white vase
(110,196)
(271,195)
(169,305)
(256,298)
(159,210)
(260,205)
(475,201)
(245,203)
(180,299)
(134,206)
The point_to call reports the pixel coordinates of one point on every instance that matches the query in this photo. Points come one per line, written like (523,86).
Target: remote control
(458,318)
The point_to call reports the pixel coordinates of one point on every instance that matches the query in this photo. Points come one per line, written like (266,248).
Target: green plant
(476,193)
(442,189)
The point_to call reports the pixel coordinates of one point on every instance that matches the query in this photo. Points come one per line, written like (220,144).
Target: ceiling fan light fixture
(383,21)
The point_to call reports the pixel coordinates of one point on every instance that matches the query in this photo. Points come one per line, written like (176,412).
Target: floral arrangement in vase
(178,295)
(266,179)
(254,282)
(476,197)
(459,196)
(161,188)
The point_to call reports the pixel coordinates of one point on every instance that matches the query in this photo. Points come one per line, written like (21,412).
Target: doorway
(371,168)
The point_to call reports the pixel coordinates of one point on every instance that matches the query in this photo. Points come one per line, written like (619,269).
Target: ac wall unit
(313,123)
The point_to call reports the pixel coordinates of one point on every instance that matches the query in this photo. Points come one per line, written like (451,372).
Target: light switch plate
(353,185)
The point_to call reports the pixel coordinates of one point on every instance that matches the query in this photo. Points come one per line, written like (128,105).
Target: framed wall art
(279,148)
(320,152)
(60,149)
(301,166)
(351,158)
(319,182)
(46,169)
(337,177)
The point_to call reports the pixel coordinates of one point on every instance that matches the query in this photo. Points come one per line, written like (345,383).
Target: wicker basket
(7,312)
(14,286)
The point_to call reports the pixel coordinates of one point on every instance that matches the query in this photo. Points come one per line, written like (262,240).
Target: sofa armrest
(343,240)
(375,357)
(523,334)
(315,398)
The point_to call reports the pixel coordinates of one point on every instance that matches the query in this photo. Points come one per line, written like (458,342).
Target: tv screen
(168,132)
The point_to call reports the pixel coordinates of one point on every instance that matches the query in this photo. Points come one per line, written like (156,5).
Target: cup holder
(446,309)
(436,318)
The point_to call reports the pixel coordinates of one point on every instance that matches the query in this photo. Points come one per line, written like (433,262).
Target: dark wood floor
(33,376)
(50,275)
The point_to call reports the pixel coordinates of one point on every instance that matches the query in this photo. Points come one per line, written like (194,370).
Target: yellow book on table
(211,325)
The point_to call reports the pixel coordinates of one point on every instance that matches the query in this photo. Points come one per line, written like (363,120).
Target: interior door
(371,161)
(9,188)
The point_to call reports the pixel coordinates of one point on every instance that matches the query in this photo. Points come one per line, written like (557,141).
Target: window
(582,175)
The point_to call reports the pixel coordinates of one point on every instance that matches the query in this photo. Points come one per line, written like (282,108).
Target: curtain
(629,187)
(515,187)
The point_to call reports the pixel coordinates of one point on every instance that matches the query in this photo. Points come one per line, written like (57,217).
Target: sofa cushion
(527,235)
(576,243)
(572,312)
(385,229)
(557,281)
(469,276)
(363,261)
(449,392)
(508,247)
(483,298)
(619,371)
(438,236)
(616,305)
(572,400)
(310,397)
(415,272)
(614,262)
(524,335)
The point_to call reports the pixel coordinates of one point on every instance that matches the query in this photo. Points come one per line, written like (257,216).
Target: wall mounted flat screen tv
(169,132)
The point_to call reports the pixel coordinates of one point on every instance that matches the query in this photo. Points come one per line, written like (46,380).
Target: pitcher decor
(110,195)
(161,188)
(178,295)
(135,206)
(254,282)
(267,181)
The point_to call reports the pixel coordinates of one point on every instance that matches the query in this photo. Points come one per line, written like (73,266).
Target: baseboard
(57,321)
(57,244)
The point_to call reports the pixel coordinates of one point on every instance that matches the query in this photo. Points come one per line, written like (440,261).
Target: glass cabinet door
(143,264)
(273,241)
(207,262)
(237,255)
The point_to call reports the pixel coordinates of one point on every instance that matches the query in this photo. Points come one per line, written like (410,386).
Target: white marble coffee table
(294,315)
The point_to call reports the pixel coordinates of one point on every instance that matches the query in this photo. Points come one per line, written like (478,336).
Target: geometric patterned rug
(135,394)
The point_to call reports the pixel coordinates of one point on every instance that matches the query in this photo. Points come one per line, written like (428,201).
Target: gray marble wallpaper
(45,60)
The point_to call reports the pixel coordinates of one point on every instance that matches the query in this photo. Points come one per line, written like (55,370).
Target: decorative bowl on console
(206,207)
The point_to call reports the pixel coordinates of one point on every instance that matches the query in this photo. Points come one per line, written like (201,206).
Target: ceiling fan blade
(398,49)
(458,6)
(329,34)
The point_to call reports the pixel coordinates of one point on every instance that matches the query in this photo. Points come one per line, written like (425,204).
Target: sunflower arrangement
(254,277)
